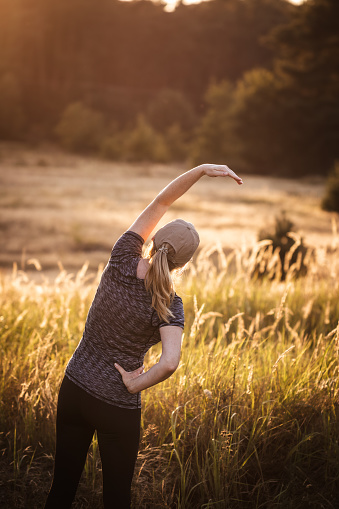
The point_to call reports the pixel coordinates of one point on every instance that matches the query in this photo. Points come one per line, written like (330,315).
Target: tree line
(252,82)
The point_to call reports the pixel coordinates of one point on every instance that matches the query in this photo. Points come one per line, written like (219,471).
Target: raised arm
(152,214)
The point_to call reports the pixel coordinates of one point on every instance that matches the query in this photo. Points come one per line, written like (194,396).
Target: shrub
(144,144)
(11,113)
(215,138)
(113,147)
(168,108)
(176,142)
(284,252)
(330,201)
(80,127)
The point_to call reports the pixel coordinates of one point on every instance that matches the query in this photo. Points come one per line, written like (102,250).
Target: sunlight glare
(171,4)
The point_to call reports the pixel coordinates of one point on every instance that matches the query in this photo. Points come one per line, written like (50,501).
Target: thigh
(73,437)
(118,447)
(72,426)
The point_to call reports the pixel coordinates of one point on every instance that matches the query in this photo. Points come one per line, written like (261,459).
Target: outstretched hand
(220,170)
(129,376)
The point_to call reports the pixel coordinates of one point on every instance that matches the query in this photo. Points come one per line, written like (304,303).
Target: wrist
(200,170)
(132,386)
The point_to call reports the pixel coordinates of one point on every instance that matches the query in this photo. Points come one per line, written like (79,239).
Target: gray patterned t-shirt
(121,326)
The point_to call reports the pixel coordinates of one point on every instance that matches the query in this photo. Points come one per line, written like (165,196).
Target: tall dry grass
(249,419)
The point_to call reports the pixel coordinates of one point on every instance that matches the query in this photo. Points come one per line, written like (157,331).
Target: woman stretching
(134,308)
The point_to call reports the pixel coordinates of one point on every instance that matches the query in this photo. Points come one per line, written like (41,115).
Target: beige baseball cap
(182,237)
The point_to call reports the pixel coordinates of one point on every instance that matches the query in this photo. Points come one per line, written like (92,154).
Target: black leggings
(79,415)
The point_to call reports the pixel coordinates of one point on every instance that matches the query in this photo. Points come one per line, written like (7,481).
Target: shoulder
(177,301)
(129,244)
(177,305)
(128,239)
(126,252)
(177,310)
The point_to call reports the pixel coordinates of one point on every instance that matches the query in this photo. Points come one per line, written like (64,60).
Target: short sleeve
(178,317)
(127,252)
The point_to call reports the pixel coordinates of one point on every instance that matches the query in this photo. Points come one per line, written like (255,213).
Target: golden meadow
(249,419)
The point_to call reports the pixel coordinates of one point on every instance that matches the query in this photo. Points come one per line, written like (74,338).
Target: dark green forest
(254,83)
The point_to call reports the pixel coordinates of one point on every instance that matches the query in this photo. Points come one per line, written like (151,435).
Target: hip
(76,405)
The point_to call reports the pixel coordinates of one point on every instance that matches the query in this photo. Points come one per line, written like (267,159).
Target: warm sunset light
(171,4)
(169,254)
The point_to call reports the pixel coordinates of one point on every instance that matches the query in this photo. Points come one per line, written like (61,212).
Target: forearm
(156,374)
(149,218)
(179,186)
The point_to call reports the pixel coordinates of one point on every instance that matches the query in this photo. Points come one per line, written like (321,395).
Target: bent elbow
(133,391)
(170,366)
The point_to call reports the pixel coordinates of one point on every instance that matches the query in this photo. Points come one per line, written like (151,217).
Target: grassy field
(59,207)
(250,418)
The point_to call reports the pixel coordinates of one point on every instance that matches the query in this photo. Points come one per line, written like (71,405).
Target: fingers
(221,170)
(233,175)
(119,368)
(139,370)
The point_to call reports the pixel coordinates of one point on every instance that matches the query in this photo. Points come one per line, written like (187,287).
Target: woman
(134,308)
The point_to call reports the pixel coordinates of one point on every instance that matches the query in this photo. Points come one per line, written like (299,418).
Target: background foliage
(254,80)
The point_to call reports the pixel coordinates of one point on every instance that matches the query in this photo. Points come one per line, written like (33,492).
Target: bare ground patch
(56,206)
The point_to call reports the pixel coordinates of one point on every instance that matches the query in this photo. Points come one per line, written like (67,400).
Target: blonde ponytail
(158,281)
